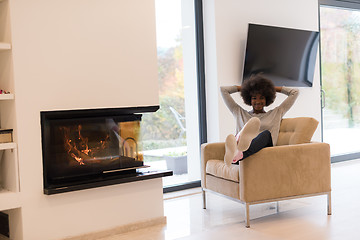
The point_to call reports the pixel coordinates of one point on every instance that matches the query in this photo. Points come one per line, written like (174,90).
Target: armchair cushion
(296,130)
(218,168)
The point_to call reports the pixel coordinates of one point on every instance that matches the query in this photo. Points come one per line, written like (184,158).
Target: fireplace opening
(84,146)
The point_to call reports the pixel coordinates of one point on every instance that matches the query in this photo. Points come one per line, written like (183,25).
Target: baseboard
(121,229)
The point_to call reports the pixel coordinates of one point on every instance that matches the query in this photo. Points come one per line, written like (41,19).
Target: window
(340,68)
(171,135)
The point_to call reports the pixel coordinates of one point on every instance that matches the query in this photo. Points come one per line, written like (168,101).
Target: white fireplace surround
(79,55)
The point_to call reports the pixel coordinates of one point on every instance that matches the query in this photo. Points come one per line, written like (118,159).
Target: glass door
(171,135)
(340,69)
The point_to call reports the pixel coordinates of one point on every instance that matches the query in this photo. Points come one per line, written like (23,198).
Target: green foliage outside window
(160,129)
(340,63)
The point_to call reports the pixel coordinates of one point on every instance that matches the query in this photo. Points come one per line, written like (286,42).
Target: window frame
(351,4)
(200,68)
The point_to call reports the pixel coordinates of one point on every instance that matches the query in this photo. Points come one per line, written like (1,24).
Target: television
(284,55)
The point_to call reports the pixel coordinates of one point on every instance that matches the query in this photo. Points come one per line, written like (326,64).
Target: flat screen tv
(285,56)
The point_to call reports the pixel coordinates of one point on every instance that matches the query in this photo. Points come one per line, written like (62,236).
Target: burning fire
(77,146)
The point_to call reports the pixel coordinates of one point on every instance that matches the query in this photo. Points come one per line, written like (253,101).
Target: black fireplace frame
(127,175)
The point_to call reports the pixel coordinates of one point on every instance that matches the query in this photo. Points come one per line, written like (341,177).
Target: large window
(340,64)
(171,135)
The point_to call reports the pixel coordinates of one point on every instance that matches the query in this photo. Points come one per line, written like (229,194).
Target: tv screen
(285,56)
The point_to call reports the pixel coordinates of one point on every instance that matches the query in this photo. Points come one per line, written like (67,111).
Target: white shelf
(9,96)
(9,200)
(9,172)
(5,46)
(10,145)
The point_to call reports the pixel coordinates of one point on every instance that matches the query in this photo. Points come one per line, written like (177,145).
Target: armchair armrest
(210,151)
(285,171)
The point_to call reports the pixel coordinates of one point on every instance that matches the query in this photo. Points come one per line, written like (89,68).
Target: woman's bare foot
(239,155)
(230,149)
(247,134)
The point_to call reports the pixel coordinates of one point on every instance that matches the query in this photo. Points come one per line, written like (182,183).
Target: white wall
(77,54)
(225,38)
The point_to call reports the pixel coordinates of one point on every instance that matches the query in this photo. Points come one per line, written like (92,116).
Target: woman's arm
(278,89)
(229,101)
(292,94)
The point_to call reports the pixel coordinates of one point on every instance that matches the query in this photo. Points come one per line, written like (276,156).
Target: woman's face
(258,103)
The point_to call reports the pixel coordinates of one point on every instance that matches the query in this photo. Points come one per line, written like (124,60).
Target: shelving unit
(10,195)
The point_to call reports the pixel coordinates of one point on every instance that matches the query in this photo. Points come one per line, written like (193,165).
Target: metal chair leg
(204,198)
(247,215)
(329,203)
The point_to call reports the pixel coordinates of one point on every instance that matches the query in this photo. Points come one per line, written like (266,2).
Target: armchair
(294,168)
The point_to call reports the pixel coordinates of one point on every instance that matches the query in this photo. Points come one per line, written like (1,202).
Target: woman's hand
(278,89)
(239,88)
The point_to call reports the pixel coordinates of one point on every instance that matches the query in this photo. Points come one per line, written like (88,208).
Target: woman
(257,92)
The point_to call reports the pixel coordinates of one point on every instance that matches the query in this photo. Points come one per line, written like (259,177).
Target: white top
(268,121)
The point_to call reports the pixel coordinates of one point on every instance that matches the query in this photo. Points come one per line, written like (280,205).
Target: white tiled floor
(304,218)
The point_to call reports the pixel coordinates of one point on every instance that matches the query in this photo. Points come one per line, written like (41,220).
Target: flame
(80,160)
(77,146)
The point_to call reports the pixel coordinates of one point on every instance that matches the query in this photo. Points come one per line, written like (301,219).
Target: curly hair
(257,84)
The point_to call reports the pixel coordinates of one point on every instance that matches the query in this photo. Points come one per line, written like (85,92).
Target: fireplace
(84,148)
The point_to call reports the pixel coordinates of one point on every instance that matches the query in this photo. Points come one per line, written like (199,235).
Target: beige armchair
(294,168)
